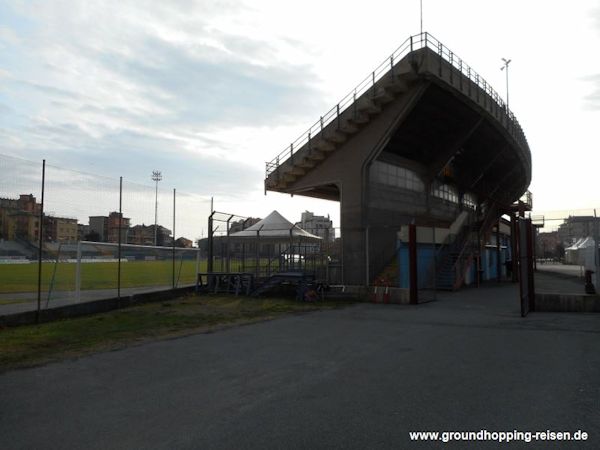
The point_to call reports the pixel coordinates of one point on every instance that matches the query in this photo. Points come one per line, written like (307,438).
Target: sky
(208,91)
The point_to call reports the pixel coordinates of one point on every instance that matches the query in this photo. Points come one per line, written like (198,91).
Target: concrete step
(298,170)
(398,85)
(336,137)
(348,127)
(366,104)
(323,145)
(383,96)
(316,155)
(360,118)
(307,163)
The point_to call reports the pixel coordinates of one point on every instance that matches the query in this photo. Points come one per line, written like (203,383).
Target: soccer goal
(102,265)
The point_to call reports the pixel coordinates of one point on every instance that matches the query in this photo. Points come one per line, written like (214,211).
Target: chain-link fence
(84,236)
(261,248)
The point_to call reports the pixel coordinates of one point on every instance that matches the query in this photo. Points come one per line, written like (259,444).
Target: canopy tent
(581,252)
(275,227)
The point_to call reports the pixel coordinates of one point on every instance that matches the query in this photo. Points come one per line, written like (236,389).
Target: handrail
(413,43)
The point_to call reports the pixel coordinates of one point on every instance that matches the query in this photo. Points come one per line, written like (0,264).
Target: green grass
(103,275)
(37,344)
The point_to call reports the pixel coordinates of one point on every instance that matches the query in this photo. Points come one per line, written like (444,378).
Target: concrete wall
(88,308)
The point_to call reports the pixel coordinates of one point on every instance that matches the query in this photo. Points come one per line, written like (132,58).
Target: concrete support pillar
(514,231)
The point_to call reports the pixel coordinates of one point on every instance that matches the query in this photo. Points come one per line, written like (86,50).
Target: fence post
(198,261)
(173,243)
(291,253)
(373,90)
(228,252)
(78,274)
(596,256)
(40,242)
(514,247)
(119,245)
(209,256)
(498,266)
(257,254)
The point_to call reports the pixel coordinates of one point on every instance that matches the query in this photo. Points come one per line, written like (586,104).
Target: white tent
(275,227)
(581,253)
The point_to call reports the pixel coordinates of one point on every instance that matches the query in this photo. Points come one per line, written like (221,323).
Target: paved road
(361,377)
(562,269)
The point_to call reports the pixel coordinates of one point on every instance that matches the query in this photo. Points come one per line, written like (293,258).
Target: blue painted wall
(425,255)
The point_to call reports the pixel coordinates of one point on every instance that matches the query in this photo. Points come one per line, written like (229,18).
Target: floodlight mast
(156,177)
(505,66)
(421,9)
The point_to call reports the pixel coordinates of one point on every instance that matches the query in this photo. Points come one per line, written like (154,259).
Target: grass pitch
(23,277)
(103,275)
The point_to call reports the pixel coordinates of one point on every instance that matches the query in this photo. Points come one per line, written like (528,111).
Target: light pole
(505,66)
(421,7)
(156,177)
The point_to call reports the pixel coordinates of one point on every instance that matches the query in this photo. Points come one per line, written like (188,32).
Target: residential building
(319,225)
(183,243)
(576,227)
(98,225)
(242,224)
(60,229)
(19,218)
(112,227)
(144,235)
(83,232)
(549,245)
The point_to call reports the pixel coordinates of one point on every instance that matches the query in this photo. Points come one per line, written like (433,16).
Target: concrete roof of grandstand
(275,226)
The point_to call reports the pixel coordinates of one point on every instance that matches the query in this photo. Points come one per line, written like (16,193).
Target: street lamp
(156,177)
(505,66)
(421,8)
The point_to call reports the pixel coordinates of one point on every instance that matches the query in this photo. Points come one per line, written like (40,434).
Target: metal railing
(413,43)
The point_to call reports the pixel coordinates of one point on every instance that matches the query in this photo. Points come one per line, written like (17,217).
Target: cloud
(592,100)
(108,86)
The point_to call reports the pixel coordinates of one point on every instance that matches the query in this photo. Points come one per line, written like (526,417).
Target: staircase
(455,260)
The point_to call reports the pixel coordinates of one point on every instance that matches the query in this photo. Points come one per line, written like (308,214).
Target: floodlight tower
(421,9)
(505,66)
(156,177)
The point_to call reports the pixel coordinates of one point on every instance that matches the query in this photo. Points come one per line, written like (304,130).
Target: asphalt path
(361,377)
